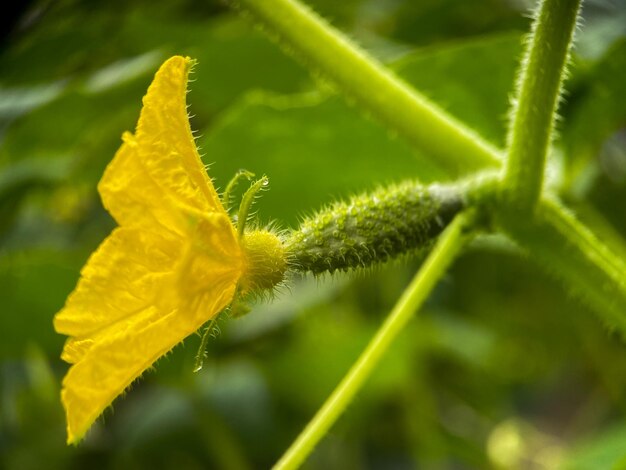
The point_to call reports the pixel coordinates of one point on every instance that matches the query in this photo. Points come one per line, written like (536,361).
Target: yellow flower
(174,262)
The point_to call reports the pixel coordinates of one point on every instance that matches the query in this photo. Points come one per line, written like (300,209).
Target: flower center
(266,261)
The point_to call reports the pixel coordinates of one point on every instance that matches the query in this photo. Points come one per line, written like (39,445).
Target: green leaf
(602,451)
(15,101)
(313,149)
(232,58)
(429,21)
(23,178)
(568,250)
(596,112)
(454,77)
(33,286)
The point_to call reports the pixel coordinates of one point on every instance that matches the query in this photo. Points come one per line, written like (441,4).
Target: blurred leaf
(596,112)
(265,317)
(314,149)
(236,58)
(232,58)
(99,105)
(23,178)
(33,286)
(604,23)
(453,76)
(16,101)
(455,335)
(30,411)
(88,134)
(429,21)
(122,71)
(605,450)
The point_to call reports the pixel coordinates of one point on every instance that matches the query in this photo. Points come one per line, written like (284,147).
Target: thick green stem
(541,77)
(453,146)
(568,250)
(433,268)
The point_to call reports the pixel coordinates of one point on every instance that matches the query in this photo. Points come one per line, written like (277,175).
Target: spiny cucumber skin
(372,228)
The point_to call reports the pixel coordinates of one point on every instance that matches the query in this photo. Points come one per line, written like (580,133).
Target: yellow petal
(172,265)
(213,250)
(76,348)
(133,197)
(134,269)
(139,295)
(128,349)
(124,275)
(159,168)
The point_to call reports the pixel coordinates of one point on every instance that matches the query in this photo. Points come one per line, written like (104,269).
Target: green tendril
(226,195)
(246,202)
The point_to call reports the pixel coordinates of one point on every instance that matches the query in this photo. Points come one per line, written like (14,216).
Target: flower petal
(133,197)
(172,265)
(123,276)
(128,349)
(133,269)
(160,165)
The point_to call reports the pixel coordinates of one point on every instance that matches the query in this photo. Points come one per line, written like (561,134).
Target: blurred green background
(501,369)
